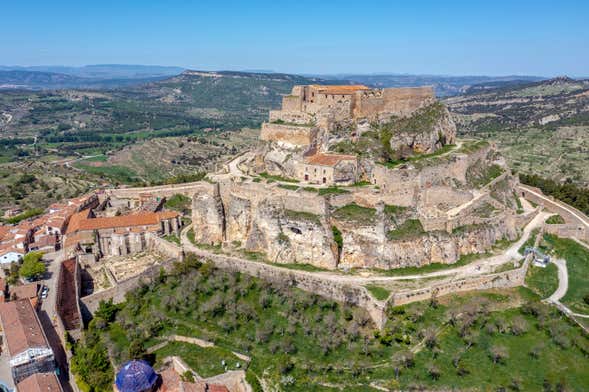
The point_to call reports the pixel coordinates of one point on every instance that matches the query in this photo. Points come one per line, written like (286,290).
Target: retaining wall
(575,219)
(341,292)
(117,293)
(67,295)
(512,278)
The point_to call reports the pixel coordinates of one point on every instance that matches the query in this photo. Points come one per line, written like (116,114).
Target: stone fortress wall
(576,222)
(313,107)
(295,135)
(187,189)
(506,279)
(396,101)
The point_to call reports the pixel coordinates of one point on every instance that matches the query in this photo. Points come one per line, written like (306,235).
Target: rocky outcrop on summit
(285,226)
(428,130)
(349,177)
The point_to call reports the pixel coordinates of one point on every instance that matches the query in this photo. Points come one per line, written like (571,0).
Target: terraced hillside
(542,128)
(156,160)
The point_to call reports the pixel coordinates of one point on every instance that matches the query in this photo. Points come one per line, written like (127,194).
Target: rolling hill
(542,127)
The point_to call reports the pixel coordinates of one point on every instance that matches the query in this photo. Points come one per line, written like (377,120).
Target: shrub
(32,266)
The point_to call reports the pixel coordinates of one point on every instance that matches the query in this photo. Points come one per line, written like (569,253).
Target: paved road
(563,281)
(582,219)
(48,317)
(563,286)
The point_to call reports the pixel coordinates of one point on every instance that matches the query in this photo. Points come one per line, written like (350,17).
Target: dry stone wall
(337,291)
(507,279)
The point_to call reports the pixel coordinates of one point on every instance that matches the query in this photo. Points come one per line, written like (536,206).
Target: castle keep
(311,115)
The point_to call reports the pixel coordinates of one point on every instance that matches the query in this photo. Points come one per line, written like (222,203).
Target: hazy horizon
(366,73)
(430,38)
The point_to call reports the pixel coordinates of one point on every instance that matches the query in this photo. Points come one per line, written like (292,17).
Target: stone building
(311,108)
(117,235)
(330,169)
(40,382)
(24,340)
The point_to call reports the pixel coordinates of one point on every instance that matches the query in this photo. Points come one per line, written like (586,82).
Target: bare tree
(498,354)
(433,371)
(519,326)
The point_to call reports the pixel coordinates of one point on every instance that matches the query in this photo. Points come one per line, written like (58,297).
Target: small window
(324,180)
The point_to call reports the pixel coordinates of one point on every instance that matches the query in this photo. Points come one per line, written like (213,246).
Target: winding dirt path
(478,267)
(563,281)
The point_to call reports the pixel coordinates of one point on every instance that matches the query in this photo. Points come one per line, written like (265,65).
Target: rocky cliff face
(208,216)
(424,132)
(261,221)
(394,241)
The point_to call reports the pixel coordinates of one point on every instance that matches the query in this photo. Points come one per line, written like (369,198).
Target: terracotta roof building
(3,290)
(328,169)
(24,340)
(25,291)
(338,89)
(117,235)
(40,382)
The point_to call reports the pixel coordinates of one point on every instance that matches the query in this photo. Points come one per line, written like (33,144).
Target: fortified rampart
(569,230)
(392,101)
(506,279)
(67,294)
(404,184)
(295,135)
(187,189)
(577,223)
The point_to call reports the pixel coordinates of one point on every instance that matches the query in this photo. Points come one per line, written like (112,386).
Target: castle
(310,113)
(325,186)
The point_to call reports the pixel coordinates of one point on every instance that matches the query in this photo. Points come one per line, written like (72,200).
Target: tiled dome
(136,376)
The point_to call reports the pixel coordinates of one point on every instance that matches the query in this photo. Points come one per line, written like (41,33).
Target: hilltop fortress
(352,177)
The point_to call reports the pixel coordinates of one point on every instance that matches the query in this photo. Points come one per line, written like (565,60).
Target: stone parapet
(294,135)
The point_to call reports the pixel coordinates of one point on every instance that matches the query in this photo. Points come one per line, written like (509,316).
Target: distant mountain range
(89,76)
(105,76)
(443,85)
(103,71)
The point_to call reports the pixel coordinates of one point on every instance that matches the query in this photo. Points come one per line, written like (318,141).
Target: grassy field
(206,361)
(355,213)
(380,293)
(543,281)
(555,220)
(577,259)
(300,342)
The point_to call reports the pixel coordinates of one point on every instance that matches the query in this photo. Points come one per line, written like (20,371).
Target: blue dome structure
(136,376)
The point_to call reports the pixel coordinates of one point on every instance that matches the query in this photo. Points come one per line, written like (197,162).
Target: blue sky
(493,37)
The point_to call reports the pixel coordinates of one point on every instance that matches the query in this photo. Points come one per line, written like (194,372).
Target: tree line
(567,192)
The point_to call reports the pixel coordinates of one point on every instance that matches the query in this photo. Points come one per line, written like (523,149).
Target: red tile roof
(26,291)
(342,89)
(81,221)
(21,327)
(43,241)
(328,159)
(40,382)
(4,229)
